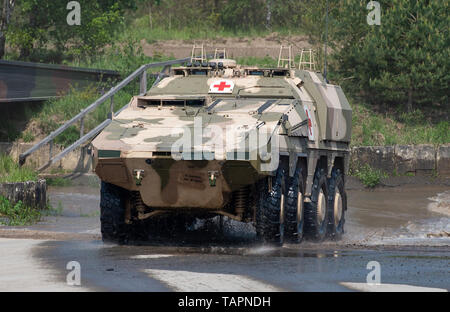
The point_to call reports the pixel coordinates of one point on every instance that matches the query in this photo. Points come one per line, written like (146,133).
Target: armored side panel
(333,110)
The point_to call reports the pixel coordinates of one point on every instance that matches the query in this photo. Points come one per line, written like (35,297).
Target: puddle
(408,215)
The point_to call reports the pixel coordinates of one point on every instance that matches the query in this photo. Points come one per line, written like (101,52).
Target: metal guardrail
(141,72)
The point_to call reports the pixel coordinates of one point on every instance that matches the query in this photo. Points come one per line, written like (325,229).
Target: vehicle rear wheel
(337,204)
(316,211)
(295,207)
(270,209)
(112,213)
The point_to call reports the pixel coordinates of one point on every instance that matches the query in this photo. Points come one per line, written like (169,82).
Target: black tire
(295,218)
(316,211)
(337,198)
(269,219)
(112,213)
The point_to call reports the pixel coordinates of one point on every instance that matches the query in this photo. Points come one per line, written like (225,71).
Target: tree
(243,15)
(5,17)
(40,27)
(269,14)
(405,60)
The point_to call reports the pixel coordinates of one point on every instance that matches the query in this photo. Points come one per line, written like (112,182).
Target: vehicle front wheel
(270,209)
(112,213)
(316,210)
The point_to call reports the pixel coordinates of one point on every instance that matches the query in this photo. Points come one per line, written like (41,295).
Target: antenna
(326,47)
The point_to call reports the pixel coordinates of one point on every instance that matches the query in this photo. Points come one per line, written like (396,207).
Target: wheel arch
(338,163)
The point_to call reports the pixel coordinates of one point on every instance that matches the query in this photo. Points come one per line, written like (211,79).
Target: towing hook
(138,175)
(212,178)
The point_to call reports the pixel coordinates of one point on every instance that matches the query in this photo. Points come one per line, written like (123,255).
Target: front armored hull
(168,184)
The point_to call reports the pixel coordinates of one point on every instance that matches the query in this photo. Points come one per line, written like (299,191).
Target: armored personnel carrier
(268,146)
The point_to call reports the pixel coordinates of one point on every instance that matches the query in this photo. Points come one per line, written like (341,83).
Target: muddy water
(407,215)
(401,215)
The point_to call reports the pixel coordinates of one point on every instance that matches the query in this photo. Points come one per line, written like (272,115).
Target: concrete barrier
(374,156)
(421,159)
(418,159)
(443,160)
(31,193)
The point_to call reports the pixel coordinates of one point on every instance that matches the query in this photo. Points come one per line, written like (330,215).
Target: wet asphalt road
(397,227)
(247,268)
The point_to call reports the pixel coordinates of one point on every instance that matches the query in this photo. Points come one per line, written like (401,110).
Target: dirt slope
(235,47)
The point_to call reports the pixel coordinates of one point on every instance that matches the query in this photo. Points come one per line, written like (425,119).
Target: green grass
(125,56)
(370,128)
(368,176)
(18,214)
(11,172)
(257,61)
(27,136)
(58,181)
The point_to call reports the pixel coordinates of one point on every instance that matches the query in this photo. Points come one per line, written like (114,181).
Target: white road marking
(150,256)
(209,282)
(390,288)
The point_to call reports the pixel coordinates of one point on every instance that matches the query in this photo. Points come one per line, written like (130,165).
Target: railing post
(50,150)
(111,108)
(81,127)
(143,83)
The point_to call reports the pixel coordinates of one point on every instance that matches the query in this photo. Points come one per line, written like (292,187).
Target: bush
(369,176)
(17,214)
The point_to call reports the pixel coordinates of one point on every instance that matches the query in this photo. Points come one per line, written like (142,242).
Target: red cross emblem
(221,86)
